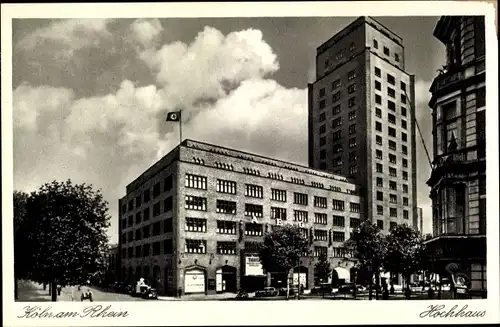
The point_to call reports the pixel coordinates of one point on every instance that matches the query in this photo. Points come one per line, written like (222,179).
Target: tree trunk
(377,285)
(16,292)
(355,286)
(288,284)
(407,286)
(370,292)
(53,289)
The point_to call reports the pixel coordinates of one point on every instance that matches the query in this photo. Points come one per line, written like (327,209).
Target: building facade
(361,123)
(458,179)
(192,222)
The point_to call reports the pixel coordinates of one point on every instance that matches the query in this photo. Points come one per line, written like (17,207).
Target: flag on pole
(174,116)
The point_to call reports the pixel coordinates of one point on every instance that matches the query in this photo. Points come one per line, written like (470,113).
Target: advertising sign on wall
(303,279)
(194,281)
(253,267)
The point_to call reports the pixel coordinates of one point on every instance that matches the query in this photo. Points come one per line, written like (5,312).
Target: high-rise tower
(361,124)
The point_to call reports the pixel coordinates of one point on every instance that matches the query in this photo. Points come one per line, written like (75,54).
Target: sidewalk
(30,291)
(199,297)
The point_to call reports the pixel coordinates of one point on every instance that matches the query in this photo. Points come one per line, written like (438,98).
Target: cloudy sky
(91,96)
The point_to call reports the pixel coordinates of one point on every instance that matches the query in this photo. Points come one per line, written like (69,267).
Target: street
(34,292)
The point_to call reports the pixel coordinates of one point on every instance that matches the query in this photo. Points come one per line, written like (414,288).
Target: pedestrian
(385,290)
(59,289)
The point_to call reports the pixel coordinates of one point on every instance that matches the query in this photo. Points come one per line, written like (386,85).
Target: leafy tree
(282,249)
(66,232)
(366,249)
(323,269)
(20,250)
(406,253)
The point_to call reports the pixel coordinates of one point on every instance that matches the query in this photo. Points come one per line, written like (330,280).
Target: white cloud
(204,68)
(109,140)
(66,36)
(29,103)
(146,31)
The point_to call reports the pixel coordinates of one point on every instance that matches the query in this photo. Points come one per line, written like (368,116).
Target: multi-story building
(192,221)
(458,179)
(361,124)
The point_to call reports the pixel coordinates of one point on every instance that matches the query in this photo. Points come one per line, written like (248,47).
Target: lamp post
(298,279)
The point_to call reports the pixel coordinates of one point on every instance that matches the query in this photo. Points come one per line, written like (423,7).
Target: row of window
(145,250)
(145,214)
(392,118)
(386,51)
(229,207)
(390,104)
(393,172)
(392,224)
(390,92)
(393,212)
(255,229)
(393,186)
(199,182)
(227,247)
(390,78)
(251,190)
(230,247)
(392,145)
(351,75)
(145,196)
(391,131)
(393,198)
(145,232)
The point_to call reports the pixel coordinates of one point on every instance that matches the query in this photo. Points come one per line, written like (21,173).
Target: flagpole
(180,126)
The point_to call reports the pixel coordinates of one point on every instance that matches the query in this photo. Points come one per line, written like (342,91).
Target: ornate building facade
(458,178)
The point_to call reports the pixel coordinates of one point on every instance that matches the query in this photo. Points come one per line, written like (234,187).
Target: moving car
(145,291)
(267,291)
(87,295)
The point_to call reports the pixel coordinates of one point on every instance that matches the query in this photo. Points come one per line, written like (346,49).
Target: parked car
(242,295)
(267,291)
(292,291)
(149,293)
(322,289)
(349,288)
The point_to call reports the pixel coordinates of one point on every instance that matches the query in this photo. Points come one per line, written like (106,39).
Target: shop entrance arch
(225,277)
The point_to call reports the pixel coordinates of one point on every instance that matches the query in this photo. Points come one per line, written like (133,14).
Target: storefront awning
(343,273)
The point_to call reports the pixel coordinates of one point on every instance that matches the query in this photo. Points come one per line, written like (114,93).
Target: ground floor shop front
(460,261)
(212,275)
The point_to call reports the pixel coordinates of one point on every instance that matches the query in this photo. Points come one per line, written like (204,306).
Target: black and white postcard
(250,163)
